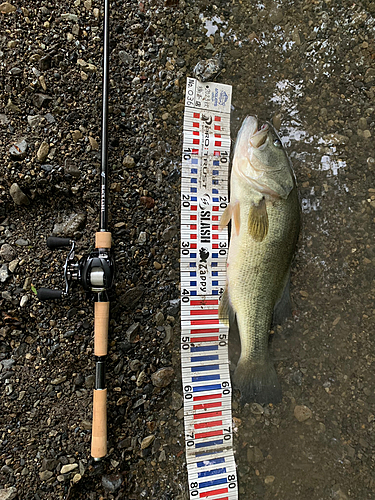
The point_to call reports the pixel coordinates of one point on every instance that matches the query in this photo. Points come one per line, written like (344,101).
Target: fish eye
(277,143)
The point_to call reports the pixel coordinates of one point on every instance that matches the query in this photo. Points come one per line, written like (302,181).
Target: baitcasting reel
(95,271)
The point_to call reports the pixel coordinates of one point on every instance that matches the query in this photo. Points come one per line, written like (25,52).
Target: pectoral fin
(231,212)
(258,221)
(226,216)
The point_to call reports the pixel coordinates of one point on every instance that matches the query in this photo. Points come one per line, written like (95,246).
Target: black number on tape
(194,485)
(185,292)
(190,443)
(188,388)
(185,339)
(185,299)
(225,384)
(194,493)
(232,485)
(185,347)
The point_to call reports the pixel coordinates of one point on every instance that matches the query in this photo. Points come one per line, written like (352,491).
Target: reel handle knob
(49,294)
(55,242)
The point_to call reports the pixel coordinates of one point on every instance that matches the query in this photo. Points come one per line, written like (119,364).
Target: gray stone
(4,120)
(7,252)
(159,318)
(4,274)
(45,475)
(71,168)
(254,455)
(18,195)
(7,364)
(125,57)
(112,483)
(8,493)
(131,298)
(163,377)
(49,464)
(6,295)
(68,468)
(70,225)
(302,413)
(89,381)
(24,300)
(58,380)
(49,118)
(169,233)
(70,17)
(22,242)
(41,100)
(45,63)
(142,238)
(12,265)
(176,402)
(132,332)
(34,121)
(43,151)
(18,150)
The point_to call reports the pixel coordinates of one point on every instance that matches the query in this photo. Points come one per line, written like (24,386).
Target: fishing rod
(95,272)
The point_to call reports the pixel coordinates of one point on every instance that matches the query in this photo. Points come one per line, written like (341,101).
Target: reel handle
(55,242)
(49,294)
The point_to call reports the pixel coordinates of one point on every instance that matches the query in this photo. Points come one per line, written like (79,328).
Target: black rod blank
(103,223)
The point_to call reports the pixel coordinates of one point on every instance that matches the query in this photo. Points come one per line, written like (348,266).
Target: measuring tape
(204,340)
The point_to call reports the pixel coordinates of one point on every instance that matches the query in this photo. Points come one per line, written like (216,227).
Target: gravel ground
(314,62)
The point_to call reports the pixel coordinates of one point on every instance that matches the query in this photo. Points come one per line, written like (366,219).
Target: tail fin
(257,382)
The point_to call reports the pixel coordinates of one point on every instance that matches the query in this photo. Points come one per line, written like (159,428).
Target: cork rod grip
(101,311)
(103,239)
(99,424)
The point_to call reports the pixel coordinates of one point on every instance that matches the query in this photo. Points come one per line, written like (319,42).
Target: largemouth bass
(265,215)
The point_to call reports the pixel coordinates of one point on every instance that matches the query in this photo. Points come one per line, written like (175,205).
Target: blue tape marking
(203,348)
(204,368)
(215,182)
(193,190)
(205,378)
(215,255)
(194,291)
(193,255)
(193,283)
(193,274)
(213,264)
(215,273)
(204,388)
(193,181)
(209,443)
(194,170)
(213,472)
(215,482)
(215,163)
(206,452)
(193,264)
(215,191)
(215,200)
(215,172)
(199,359)
(215,292)
(194,161)
(214,461)
(215,283)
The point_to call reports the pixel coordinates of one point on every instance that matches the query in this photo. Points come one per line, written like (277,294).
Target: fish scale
(204,250)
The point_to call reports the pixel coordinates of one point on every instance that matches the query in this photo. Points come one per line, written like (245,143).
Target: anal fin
(283,307)
(226,313)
